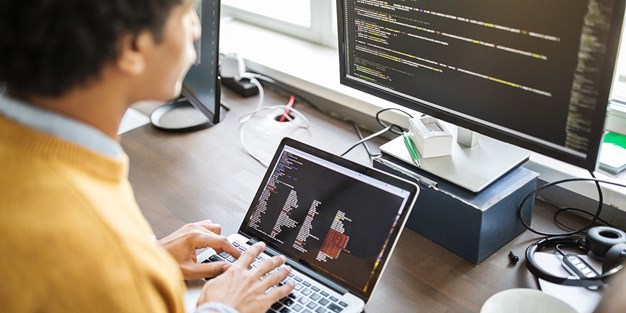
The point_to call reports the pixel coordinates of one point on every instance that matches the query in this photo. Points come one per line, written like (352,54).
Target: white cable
(255,82)
(261,77)
(245,147)
(248,116)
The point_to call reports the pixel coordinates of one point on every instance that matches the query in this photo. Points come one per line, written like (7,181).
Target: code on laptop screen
(335,220)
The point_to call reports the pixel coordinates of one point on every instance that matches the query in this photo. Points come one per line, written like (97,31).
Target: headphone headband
(580,241)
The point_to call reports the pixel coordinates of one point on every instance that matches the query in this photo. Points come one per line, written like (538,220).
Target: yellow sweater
(72,238)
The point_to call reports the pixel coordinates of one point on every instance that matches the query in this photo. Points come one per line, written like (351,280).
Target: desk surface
(181,178)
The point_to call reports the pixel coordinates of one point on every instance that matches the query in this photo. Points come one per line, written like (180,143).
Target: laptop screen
(335,216)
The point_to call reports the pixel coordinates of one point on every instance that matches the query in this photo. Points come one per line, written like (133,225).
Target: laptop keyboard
(306,297)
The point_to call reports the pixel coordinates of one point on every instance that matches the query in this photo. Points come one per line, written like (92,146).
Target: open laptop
(336,221)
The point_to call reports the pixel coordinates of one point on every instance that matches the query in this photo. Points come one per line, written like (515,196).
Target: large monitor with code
(533,73)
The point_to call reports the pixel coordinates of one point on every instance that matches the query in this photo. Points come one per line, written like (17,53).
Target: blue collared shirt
(59,126)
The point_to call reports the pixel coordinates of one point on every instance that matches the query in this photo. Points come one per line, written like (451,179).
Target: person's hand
(243,289)
(182,245)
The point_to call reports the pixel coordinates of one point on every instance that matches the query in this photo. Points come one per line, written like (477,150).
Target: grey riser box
(472,225)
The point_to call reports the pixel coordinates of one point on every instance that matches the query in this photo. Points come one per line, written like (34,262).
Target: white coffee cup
(524,300)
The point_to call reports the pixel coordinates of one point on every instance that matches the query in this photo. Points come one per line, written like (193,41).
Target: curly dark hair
(50,46)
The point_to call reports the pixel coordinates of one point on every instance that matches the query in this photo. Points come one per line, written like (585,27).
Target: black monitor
(199,105)
(533,73)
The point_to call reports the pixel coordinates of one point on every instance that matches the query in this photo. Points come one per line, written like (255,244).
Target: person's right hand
(242,287)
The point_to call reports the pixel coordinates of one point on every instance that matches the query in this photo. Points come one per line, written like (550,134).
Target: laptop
(336,222)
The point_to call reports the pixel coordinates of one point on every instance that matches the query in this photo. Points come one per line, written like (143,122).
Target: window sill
(315,69)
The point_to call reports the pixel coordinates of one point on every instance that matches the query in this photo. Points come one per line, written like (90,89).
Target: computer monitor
(536,73)
(201,86)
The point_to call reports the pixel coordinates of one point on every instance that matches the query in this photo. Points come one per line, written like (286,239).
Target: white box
(431,138)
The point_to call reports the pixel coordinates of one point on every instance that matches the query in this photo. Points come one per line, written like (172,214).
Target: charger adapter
(242,87)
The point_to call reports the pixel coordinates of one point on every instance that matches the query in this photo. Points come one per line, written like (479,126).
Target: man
(73,238)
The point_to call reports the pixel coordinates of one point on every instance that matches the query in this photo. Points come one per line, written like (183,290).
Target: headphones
(602,243)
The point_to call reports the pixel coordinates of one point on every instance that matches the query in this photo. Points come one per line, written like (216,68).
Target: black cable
(285,89)
(558,249)
(600,203)
(563,210)
(384,130)
(380,132)
(591,222)
(392,127)
(364,143)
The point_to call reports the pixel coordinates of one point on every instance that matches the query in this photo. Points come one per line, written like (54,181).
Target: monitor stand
(180,116)
(472,168)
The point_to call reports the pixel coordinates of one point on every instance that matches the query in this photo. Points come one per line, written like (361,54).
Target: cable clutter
(386,127)
(233,67)
(602,243)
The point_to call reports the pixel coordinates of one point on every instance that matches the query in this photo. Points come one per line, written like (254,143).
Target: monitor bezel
(211,111)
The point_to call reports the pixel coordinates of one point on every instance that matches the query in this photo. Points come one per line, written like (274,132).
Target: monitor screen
(201,85)
(534,73)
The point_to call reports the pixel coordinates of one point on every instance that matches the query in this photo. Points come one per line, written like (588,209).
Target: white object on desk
(131,120)
(466,137)
(525,300)
(582,299)
(431,138)
(470,168)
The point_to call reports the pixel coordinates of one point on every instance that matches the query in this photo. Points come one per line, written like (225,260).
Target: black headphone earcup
(614,257)
(601,238)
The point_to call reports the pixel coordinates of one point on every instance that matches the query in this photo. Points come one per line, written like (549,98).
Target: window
(616,120)
(313,20)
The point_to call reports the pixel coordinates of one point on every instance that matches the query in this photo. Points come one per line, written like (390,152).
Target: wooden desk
(182,178)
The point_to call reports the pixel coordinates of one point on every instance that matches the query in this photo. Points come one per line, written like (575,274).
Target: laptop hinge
(305,270)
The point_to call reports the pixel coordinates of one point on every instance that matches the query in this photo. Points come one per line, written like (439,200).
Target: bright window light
(296,12)
(305,19)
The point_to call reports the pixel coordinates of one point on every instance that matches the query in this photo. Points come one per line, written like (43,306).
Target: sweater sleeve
(215,307)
